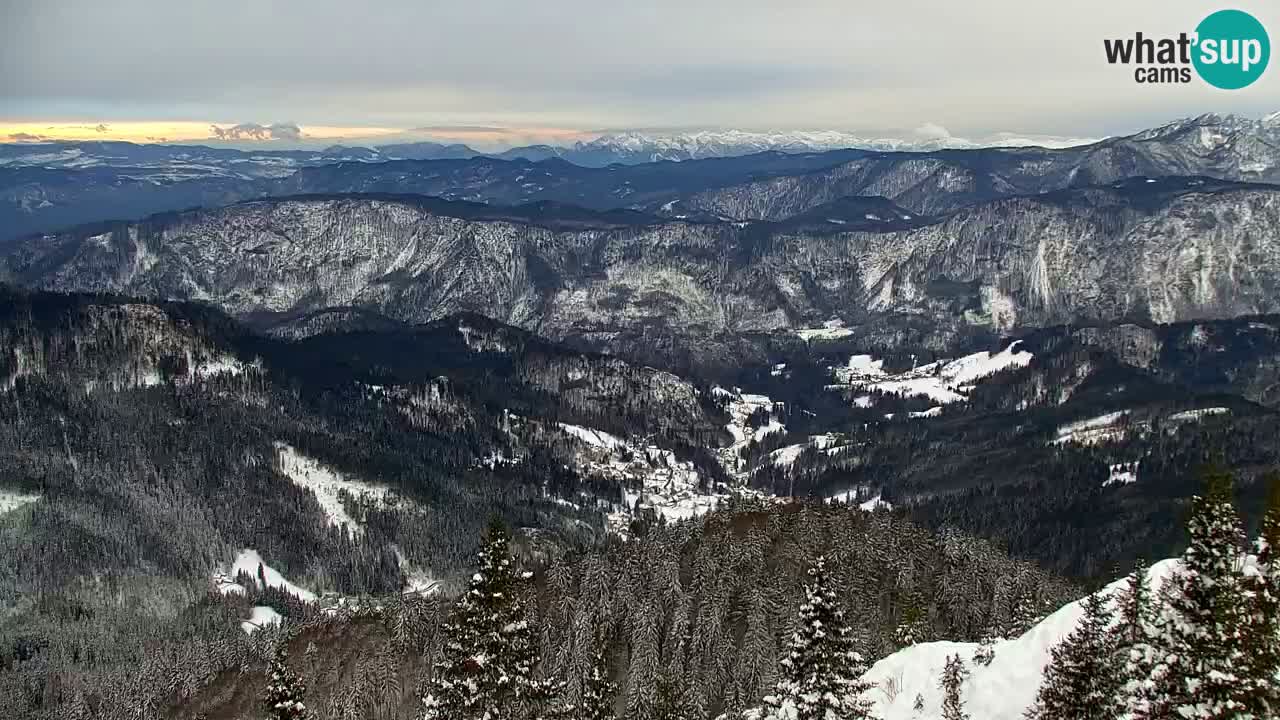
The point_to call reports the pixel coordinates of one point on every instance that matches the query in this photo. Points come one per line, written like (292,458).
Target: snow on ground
(787,456)
(660,481)
(218,366)
(830,443)
(1092,430)
(1122,474)
(831,330)
(598,438)
(1001,691)
(417,582)
(943,382)
(851,496)
(326,483)
(740,408)
(874,504)
(248,561)
(12,500)
(667,485)
(1197,415)
(260,617)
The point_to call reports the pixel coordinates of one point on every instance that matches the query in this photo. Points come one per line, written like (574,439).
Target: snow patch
(944,382)
(596,438)
(831,330)
(1197,415)
(260,617)
(1094,430)
(1000,691)
(11,500)
(248,561)
(1122,474)
(327,485)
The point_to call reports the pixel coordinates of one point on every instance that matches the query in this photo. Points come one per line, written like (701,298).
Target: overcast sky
(891,66)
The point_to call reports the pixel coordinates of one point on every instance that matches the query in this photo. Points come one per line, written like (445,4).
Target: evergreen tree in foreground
(1136,635)
(1263,635)
(1199,659)
(821,673)
(1083,680)
(598,692)
(283,698)
(953,677)
(490,651)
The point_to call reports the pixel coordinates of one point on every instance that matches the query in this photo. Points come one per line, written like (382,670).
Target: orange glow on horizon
(201,132)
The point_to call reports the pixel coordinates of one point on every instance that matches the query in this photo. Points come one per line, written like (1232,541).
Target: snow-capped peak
(695,144)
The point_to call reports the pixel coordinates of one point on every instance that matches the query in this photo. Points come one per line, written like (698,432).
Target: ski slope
(1002,690)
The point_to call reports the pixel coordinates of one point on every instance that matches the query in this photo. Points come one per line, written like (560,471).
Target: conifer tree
(1199,659)
(1134,606)
(598,692)
(490,651)
(1136,632)
(283,698)
(821,672)
(954,675)
(1082,680)
(1263,635)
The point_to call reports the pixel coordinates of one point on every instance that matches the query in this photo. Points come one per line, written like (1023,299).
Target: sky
(501,72)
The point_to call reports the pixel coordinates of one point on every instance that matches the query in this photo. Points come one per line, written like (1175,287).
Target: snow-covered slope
(248,561)
(944,382)
(999,691)
(639,146)
(328,486)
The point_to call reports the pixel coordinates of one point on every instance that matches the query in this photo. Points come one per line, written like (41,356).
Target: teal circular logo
(1232,49)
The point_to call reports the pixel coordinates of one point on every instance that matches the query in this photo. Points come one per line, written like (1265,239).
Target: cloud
(254,131)
(932,131)
(26,137)
(102,128)
(878,68)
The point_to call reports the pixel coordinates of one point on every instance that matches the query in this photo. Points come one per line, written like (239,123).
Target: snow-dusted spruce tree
(283,698)
(1083,679)
(821,672)
(490,650)
(598,692)
(986,650)
(1263,636)
(954,675)
(1199,657)
(1135,633)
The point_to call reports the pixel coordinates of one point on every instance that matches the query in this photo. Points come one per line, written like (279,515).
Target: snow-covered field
(943,382)
(327,484)
(830,330)
(1197,415)
(830,443)
(1090,431)
(12,500)
(260,617)
(248,561)
(1001,691)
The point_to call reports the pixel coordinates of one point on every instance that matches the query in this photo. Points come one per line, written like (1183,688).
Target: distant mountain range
(682,292)
(627,148)
(54,186)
